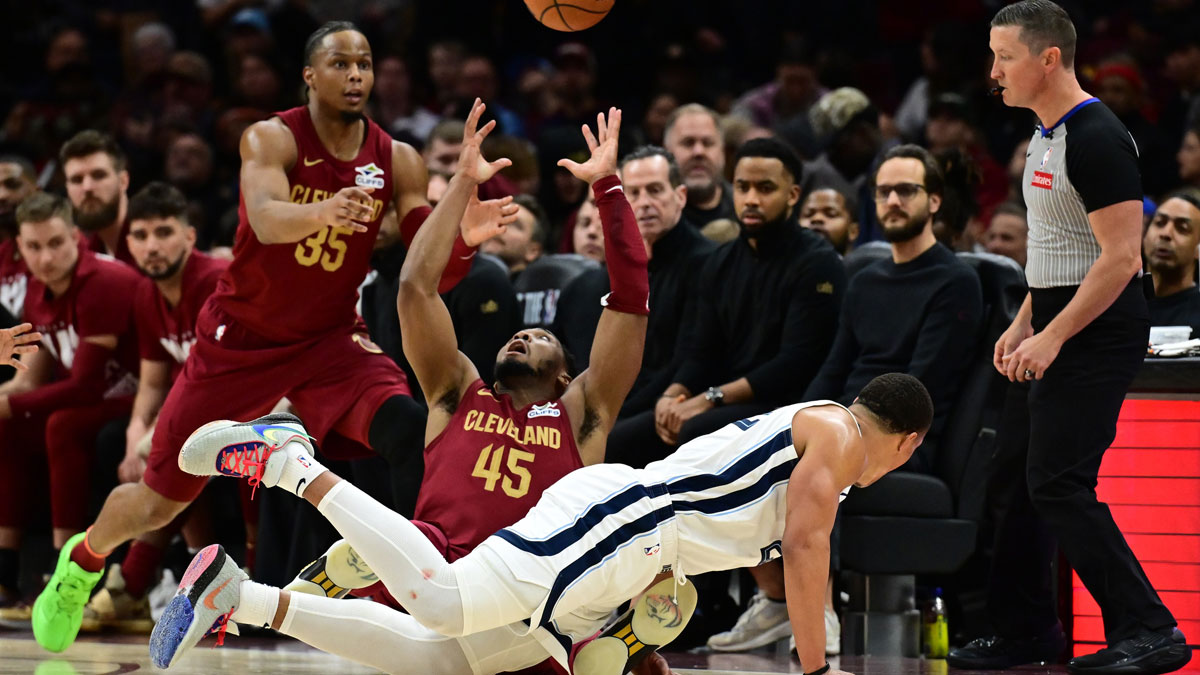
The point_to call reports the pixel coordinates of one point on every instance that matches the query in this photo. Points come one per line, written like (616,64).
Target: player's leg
(275,451)
(136,508)
(21,443)
(654,619)
(373,409)
(214,592)
(397,433)
(70,448)
(374,635)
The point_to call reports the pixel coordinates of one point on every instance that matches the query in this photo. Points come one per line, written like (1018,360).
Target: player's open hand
(351,207)
(16,341)
(603,146)
(484,220)
(471,164)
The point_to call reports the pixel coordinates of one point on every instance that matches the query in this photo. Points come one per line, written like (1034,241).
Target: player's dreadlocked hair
(900,403)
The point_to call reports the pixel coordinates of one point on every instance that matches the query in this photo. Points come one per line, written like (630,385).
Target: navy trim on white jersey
(753,460)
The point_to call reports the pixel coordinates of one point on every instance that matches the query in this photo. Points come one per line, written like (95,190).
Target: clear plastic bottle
(935,633)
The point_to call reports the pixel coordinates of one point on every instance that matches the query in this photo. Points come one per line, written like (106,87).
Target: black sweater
(1177,309)
(675,263)
(768,315)
(921,317)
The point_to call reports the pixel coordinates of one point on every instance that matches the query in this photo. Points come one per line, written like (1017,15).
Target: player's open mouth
(354,97)
(517,347)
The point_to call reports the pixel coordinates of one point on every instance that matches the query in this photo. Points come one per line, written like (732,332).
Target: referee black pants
(1053,437)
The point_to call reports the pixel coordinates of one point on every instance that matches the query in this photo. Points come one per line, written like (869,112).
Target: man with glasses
(917,313)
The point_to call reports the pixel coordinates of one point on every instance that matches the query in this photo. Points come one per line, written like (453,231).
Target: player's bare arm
(16,341)
(154,380)
(1118,230)
(594,398)
(425,326)
(831,459)
(268,150)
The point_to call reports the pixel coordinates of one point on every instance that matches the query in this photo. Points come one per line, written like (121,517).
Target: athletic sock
(139,567)
(256,605)
(300,469)
(85,557)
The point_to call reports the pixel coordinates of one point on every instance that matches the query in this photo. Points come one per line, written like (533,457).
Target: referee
(1074,348)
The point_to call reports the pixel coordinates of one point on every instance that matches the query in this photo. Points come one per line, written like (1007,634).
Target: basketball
(569,15)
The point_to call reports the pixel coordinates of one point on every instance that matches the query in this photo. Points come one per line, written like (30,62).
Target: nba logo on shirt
(369,176)
(1046,157)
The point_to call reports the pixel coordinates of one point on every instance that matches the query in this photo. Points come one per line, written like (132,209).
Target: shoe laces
(219,626)
(251,460)
(69,591)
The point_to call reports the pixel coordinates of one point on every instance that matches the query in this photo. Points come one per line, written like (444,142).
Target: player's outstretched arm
(616,355)
(824,469)
(430,344)
(268,149)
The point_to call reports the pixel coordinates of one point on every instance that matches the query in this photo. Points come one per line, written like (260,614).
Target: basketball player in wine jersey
(317,181)
(492,449)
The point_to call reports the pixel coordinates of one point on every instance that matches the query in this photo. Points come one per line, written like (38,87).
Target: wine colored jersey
(167,333)
(98,302)
(95,244)
(491,464)
(14,278)
(289,293)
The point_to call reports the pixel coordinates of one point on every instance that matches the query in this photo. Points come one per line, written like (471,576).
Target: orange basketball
(569,15)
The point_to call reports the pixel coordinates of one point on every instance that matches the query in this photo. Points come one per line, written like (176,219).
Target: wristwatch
(715,396)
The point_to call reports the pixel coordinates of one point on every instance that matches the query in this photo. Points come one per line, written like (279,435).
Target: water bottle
(936,635)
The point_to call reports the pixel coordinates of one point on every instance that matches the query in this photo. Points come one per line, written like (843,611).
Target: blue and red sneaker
(207,596)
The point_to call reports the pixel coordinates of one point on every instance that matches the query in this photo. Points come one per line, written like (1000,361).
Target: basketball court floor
(112,654)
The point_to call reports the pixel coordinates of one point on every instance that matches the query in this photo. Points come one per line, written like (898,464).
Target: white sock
(299,470)
(257,604)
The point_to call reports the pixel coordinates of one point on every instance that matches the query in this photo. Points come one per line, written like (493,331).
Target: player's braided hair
(900,403)
(314,41)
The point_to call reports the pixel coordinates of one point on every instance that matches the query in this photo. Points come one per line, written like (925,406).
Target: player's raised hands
(603,146)
(351,207)
(471,164)
(486,219)
(15,341)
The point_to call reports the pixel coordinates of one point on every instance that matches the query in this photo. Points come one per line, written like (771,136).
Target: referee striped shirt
(1085,162)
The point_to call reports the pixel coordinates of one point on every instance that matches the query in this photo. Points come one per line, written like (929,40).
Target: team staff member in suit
(1076,344)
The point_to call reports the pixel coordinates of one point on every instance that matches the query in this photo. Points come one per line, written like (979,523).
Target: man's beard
(98,219)
(911,229)
(352,116)
(507,370)
(169,271)
(766,227)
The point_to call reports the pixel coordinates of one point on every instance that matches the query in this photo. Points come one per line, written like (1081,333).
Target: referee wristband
(820,671)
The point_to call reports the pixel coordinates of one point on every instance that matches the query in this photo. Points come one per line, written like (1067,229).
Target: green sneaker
(58,611)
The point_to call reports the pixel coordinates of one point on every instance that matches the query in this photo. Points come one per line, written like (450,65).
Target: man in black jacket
(766,314)
(655,189)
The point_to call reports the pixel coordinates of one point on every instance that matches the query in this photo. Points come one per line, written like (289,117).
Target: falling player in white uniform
(753,491)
